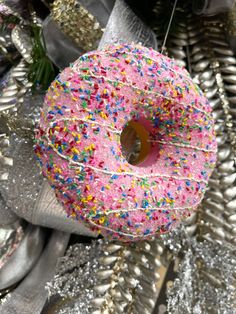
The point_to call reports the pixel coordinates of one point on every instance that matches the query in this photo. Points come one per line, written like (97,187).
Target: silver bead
(223,153)
(101,289)
(232,218)
(230,193)
(201,65)
(231,205)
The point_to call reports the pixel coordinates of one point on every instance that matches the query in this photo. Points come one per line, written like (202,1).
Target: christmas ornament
(207,268)
(24,190)
(87,105)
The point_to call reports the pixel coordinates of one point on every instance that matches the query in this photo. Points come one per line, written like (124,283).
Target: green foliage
(42,71)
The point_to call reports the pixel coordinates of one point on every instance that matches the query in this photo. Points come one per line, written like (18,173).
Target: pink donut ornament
(92,108)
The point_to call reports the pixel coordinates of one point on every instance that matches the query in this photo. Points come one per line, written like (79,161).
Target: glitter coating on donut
(79,149)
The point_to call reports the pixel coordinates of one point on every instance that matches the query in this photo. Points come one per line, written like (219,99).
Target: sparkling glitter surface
(205,279)
(75,279)
(79,149)
(77,22)
(21,189)
(24,181)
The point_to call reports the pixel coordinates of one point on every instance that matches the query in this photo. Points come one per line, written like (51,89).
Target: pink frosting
(78,141)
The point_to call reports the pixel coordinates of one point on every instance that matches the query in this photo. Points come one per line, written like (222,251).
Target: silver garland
(127,277)
(207,269)
(72,285)
(213,68)
(106,277)
(205,283)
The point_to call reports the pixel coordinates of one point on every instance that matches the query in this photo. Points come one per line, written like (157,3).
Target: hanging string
(168,28)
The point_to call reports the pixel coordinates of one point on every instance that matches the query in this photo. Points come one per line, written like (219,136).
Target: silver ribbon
(48,212)
(24,258)
(10,239)
(56,42)
(30,296)
(31,197)
(125,26)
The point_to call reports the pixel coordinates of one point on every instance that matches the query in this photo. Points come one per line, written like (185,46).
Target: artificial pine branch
(41,71)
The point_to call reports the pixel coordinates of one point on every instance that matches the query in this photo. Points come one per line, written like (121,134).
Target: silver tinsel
(196,290)
(72,286)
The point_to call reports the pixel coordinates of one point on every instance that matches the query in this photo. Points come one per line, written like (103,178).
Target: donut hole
(135,144)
